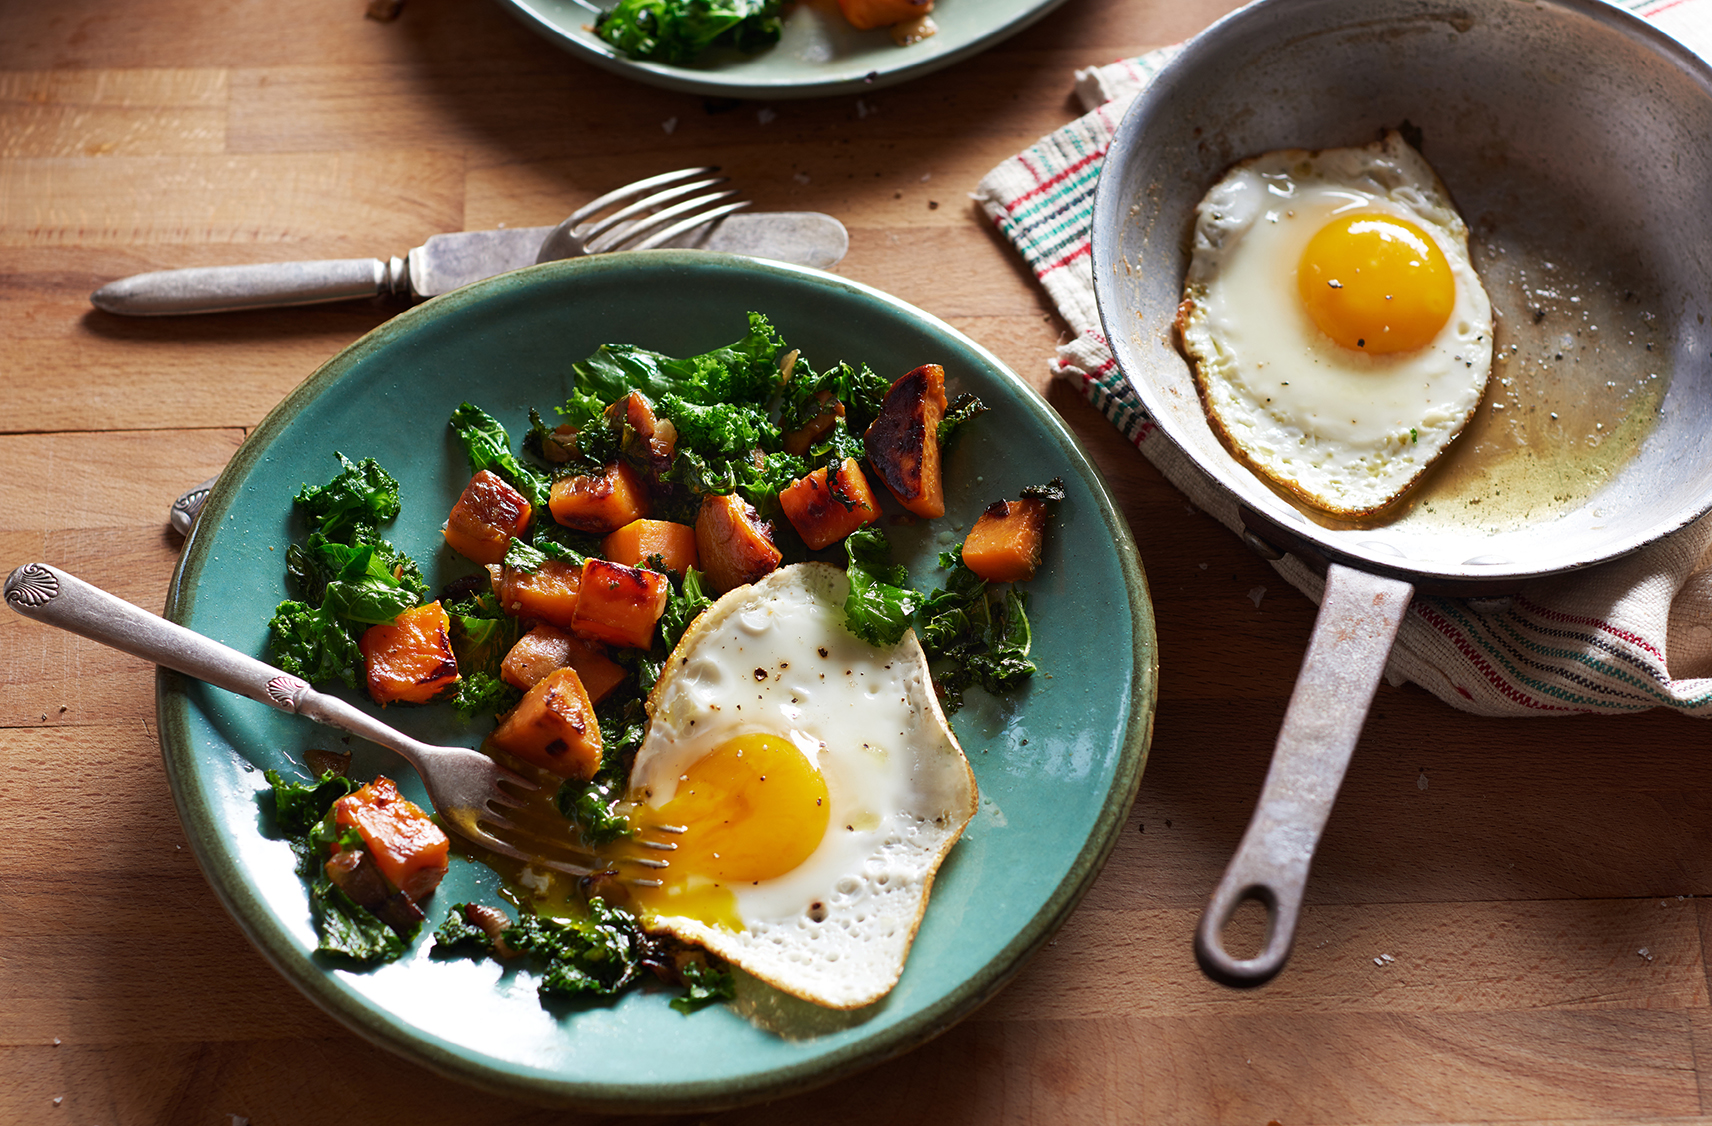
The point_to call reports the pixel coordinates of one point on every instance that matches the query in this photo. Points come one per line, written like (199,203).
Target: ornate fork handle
(50,595)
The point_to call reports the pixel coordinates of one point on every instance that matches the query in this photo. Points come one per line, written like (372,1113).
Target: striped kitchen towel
(1621,637)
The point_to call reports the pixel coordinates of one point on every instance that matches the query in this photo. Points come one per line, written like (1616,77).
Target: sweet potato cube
(546,649)
(734,544)
(639,540)
(620,604)
(1005,543)
(486,517)
(865,15)
(410,658)
(547,594)
(600,503)
(799,440)
(403,841)
(821,517)
(554,727)
(903,442)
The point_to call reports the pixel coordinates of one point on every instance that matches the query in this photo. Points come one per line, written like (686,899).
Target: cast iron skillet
(1564,129)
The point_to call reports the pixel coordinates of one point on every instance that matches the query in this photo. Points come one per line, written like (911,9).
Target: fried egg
(1340,336)
(810,785)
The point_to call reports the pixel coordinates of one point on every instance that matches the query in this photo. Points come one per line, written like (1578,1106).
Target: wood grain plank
(265,205)
(1445,957)
(106,112)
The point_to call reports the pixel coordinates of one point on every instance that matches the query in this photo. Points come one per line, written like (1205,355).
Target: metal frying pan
(1577,143)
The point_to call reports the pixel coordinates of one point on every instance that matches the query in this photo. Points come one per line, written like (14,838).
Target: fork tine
(630,190)
(644,206)
(684,226)
(623,238)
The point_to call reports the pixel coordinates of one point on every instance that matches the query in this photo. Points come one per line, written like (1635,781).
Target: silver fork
(654,220)
(464,785)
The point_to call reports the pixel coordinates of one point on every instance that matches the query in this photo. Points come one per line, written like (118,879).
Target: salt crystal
(1421,782)
(926,176)
(800,177)
(1256,595)
(58,1099)
(1645,953)
(862,109)
(1203,566)
(766,116)
(670,124)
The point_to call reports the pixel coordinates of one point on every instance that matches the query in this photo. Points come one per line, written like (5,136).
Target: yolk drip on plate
(1376,283)
(751,809)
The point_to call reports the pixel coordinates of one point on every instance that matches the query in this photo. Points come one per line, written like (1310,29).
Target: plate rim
(240,898)
(688,80)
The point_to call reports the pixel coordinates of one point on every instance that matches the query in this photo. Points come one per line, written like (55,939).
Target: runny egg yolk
(1376,283)
(751,809)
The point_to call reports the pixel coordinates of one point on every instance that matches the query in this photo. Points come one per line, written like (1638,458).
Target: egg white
(1346,430)
(775,657)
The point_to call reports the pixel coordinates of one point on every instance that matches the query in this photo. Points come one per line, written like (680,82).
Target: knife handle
(269,285)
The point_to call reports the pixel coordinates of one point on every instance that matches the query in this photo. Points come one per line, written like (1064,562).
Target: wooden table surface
(1535,883)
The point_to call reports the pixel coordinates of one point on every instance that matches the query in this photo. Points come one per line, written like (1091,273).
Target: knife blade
(440,265)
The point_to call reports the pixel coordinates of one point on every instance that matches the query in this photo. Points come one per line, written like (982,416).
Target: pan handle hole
(1244,933)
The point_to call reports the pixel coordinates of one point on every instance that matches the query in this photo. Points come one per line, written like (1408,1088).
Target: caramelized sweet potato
(547,594)
(410,658)
(554,728)
(486,517)
(646,440)
(620,604)
(634,543)
(1005,543)
(903,442)
(865,15)
(821,517)
(734,544)
(601,503)
(799,440)
(546,649)
(404,842)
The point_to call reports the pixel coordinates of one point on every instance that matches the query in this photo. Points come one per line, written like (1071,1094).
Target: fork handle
(48,594)
(267,285)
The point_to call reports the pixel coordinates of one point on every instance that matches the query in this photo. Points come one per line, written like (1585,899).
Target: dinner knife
(442,264)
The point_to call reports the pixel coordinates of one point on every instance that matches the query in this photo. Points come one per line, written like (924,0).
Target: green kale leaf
(588,806)
(705,986)
(600,955)
(361,494)
(489,447)
(879,606)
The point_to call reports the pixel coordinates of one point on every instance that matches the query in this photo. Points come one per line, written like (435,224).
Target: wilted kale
(588,806)
(361,494)
(746,372)
(880,603)
(600,956)
(685,604)
(346,576)
(705,985)
(302,815)
(489,448)
(961,410)
(973,639)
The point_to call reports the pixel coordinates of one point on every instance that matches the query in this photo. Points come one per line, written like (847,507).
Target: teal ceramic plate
(819,53)
(1057,767)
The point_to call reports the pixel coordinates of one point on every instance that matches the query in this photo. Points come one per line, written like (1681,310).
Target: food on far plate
(1340,337)
(783,749)
(812,785)
(677,32)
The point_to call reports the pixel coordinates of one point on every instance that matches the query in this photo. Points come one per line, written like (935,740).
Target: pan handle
(1358,620)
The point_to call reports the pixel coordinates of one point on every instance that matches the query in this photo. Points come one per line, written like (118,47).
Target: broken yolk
(751,809)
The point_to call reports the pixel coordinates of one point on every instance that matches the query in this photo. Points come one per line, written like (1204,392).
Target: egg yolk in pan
(1376,283)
